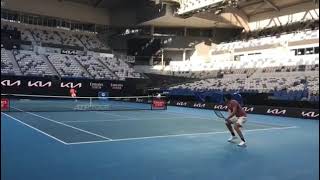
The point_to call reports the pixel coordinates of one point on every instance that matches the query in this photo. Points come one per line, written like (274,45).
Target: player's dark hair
(227,97)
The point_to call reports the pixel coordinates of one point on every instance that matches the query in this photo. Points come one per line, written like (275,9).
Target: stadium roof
(106,3)
(246,10)
(255,7)
(249,7)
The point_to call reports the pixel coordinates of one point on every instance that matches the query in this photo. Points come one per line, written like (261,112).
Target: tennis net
(40,103)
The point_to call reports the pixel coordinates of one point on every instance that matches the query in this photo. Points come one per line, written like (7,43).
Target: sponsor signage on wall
(220,107)
(310,114)
(51,86)
(184,104)
(10,83)
(116,86)
(251,109)
(69,52)
(248,109)
(70,85)
(275,111)
(199,105)
(38,84)
(96,85)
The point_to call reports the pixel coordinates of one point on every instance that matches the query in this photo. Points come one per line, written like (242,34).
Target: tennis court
(173,144)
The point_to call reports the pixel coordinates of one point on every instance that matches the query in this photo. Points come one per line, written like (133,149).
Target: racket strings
(219,114)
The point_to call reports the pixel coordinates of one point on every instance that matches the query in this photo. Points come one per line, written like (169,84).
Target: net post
(166,103)
(151,104)
(5,103)
(9,106)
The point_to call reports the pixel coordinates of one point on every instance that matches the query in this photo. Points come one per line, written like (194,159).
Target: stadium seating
(69,39)
(95,68)
(285,38)
(7,64)
(75,66)
(43,35)
(67,66)
(290,85)
(91,42)
(32,64)
(120,68)
(56,36)
(250,64)
(25,33)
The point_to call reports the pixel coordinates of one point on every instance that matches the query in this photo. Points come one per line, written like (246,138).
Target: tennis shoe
(242,144)
(232,138)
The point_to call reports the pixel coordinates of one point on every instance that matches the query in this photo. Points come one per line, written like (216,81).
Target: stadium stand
(297,36)
(57,36)
(288,76)
(120,68)
(8,65)
(32,64)
(67,66)
(91,42)
(76,66)
(166,81)
(284,85)
(96,69)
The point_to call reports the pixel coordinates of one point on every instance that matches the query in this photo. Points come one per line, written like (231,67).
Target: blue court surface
(176,144)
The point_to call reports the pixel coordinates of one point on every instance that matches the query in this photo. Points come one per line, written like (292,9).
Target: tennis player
(237,117)
(73,93)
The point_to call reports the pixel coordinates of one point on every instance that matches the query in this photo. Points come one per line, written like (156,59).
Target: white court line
(129,117)
(34,128)
(182,135)
(89,142)
(64,124)
(195,134)
(115,115)
(133,119)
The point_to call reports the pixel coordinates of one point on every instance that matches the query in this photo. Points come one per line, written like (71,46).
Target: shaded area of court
(272,154)
(73,127)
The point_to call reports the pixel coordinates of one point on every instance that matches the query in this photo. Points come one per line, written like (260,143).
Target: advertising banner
(60,87)
(252,109)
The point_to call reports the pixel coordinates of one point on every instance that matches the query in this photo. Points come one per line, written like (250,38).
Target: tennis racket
(219,114)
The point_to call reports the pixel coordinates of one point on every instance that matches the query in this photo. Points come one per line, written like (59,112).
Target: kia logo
(310,114)
(247,109)
(181,104)
(10,83)
(220,107)
(276,111)
(39,84)
(71,85)
(199,105)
